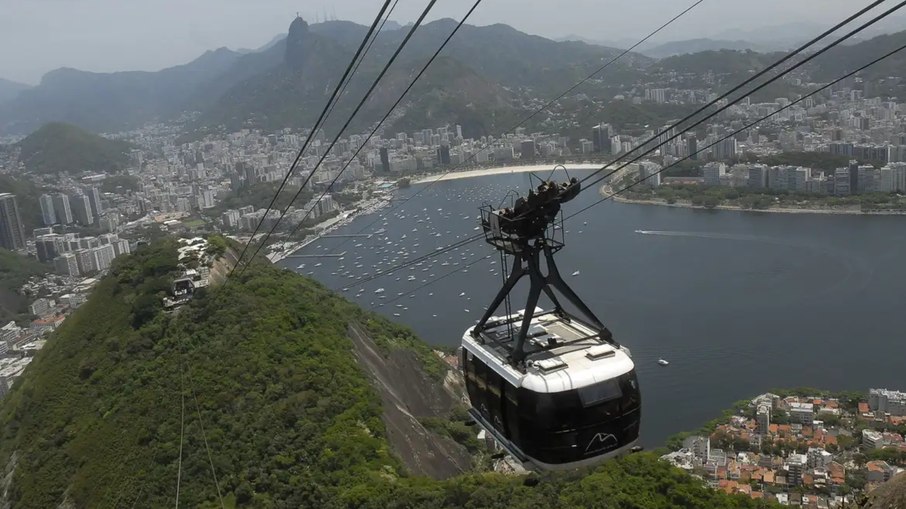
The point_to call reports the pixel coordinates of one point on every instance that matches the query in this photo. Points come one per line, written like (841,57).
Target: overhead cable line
(387,115)
(547,105)
(204,437)
(206,447)
(374,85)
(478,237)
(761,73)
(364,53)
(182,423)
(314,130)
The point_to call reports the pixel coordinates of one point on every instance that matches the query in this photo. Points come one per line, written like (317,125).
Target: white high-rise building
(763,416)
(62,209)
(104,256)
(66,264)
(700,447)
(121,247)
(796,464)
(884,401)
(87,260)
(818,458)
(48,216)
(712,172)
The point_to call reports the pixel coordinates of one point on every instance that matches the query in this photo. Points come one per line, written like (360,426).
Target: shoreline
(332,224)
(503,170)
(605,191)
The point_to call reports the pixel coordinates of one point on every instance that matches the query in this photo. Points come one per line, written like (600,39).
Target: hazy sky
(110,35)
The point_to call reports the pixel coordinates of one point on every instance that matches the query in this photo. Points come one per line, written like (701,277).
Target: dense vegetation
(259,195)
(120,184)
(15,269)
(846,58)
(264,365)
(58,147)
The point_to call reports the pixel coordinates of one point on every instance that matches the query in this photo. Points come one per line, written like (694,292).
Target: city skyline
(101,35)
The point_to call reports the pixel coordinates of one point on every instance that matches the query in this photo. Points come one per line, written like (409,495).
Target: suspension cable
(314,130)
(379,124)
(374,85)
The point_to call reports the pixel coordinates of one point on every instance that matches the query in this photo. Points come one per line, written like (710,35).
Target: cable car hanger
(526,231)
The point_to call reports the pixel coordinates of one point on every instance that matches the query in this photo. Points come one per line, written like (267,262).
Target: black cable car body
(555,390)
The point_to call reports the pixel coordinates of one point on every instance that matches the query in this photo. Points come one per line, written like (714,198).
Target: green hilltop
(58,147)
(266,366)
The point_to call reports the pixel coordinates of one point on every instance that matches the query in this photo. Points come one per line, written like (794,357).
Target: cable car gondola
(555,391)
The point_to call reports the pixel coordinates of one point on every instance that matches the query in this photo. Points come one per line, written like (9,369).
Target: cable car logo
(601,442)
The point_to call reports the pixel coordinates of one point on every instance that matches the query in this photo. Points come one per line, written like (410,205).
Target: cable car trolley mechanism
(553,389)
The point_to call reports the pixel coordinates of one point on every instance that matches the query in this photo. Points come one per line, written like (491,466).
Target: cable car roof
(577,357)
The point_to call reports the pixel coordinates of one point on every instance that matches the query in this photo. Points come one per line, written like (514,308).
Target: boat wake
(702,235)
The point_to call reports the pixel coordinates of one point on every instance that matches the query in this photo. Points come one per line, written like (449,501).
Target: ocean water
(738,302)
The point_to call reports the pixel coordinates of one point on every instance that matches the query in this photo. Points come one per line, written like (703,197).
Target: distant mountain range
(285,83)
(782,37)
(698,45)
(482,82)
(679,47)
(112,101)
(9,90)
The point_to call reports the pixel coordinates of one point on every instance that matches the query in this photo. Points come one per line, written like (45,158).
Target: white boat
(662,362)
(576,273)
(643,232)
(379,290)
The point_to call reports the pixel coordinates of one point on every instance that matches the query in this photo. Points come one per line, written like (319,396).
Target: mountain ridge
(680,47)
(107,102)
(9,90)
(214,82)
(262,89)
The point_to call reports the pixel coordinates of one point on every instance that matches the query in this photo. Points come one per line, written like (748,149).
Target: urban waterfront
(738,302)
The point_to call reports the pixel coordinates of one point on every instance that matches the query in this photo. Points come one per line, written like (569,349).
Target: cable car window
(481,375)
(600,392)
(511,412)
(631,395)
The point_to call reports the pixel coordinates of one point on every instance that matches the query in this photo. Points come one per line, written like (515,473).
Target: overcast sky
(111,35)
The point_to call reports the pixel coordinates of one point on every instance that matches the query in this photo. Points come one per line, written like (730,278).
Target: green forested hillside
(289,419)
(58,147)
